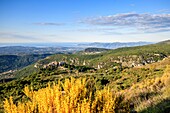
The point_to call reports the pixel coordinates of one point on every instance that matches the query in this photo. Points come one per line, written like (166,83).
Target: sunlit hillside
(136,79)
(74,96)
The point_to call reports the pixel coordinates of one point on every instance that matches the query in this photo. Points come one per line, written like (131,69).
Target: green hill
(141,73)
(127,57)
(165,42)
(12,62)
(118,58)
(88,50)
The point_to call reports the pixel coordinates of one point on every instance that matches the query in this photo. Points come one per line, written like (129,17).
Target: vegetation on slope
(72,96)
(126,57)
(12,62)
(144,95)
(145,87)
(152,95)
(137,84)
(118,58)
(95,49)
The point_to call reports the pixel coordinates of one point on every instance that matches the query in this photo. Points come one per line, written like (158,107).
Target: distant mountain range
(52,48)
(114,45)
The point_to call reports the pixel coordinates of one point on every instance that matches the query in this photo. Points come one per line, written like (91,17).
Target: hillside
(117,58)
(140,74)
(126,81)
(13,62)
(165,42)
(88,50)
(125,57)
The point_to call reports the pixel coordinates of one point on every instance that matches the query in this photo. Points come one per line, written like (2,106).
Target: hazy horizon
(78,44)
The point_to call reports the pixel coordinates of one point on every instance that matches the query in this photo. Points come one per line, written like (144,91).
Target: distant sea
(59,44)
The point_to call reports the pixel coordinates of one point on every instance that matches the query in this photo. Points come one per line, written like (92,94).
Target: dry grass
(150,92)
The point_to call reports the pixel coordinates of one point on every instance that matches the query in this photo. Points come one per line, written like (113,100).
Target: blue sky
(84,20)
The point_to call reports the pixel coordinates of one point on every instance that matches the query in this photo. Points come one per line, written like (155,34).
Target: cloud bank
(143,22)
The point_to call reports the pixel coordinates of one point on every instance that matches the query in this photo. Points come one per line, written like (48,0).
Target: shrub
(71,96)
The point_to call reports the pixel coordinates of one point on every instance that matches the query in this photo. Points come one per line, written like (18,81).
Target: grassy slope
(136,83)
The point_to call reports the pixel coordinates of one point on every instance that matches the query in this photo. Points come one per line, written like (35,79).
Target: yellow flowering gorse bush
(72,96)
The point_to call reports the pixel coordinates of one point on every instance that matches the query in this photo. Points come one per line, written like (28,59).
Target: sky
(32,21)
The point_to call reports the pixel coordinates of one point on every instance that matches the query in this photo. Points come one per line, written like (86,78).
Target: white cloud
(96,29)
(49,24)
(142,22)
